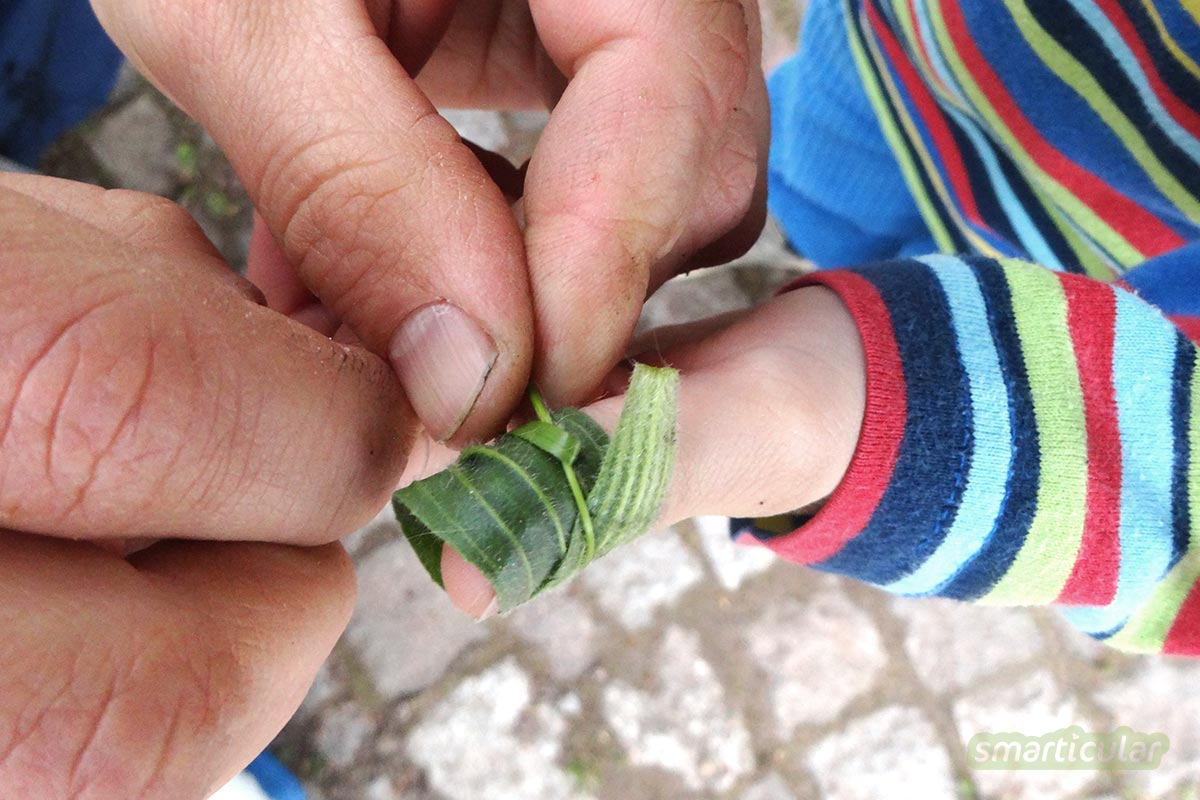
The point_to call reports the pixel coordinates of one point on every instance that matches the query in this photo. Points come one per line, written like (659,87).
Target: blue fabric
(832,180)
(274,778)
(1170,281)
(56,66)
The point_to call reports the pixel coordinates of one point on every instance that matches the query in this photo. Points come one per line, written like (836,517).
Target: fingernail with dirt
(443,358)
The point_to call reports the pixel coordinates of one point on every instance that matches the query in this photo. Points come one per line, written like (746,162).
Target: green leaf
(541,502)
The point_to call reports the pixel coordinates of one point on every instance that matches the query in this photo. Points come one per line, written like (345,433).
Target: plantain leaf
(541,502)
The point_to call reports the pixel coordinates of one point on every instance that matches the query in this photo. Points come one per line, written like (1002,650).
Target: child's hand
(653,157)
(769,415)
(145,394)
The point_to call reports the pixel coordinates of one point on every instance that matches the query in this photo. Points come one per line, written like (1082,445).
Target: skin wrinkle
(156,222)
(345,491)
(136,405)
(203,447)
(91,735)
(301,220)
(178,450)
(38,725)
(205,690)
(53,423)
(307,235)
(38,358)
(244,425)
(22,734)
(227,432)
(719,100)
(369,257)
(158,770)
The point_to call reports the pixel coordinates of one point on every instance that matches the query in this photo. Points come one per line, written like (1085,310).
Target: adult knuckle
(147,716)
(146,220)
(68,735)
(344,202)
(79,413)
(340,215)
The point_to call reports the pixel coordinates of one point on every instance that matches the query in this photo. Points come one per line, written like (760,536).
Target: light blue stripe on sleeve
(1133,71)
(987,476)
(1143,368)
(1028,235)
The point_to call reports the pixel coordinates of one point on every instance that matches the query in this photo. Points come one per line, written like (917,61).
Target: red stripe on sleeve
(1184,637)
(929,68)
(1149,235)
(853,503)
(1179,110)
(931,114)
(1092,320)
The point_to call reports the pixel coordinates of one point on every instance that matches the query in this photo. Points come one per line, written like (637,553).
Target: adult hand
(146,394)
(652,161)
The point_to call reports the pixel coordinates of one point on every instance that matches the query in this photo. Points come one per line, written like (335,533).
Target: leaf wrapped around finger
(541,502)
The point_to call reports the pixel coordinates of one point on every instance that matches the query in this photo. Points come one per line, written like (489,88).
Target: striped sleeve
(1028,440)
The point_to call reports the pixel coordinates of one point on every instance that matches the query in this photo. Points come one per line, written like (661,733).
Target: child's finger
(769,413)
(769,409)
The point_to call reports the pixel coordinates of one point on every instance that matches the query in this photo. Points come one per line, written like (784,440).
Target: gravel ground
(681,666)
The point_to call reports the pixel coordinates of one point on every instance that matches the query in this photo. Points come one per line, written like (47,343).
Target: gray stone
(732,563)
(405,629)
(487,740)
(136,146)
(781,27)
(342,732)
(894,752)
(771,787)
(818,657)
(740,284)
(771,249)
(687,298)
(1033,706)
(484,128)
(562,628)
(683,725)
(381,788)
(129,82)
(955,644)
(1161,697)
(635,581)
(1077,643)
(524,130)
(384,524)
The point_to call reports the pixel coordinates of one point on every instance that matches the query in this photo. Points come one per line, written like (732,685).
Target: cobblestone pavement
(681,666)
